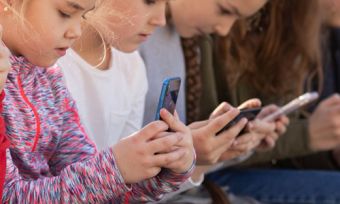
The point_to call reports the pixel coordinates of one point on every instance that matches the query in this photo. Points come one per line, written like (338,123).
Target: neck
(93,49)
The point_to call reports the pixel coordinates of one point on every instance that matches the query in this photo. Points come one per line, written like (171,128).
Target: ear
(5,4)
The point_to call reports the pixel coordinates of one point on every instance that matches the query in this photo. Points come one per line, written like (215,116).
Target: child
(163,55)
(114,78)
(51,160)
(187,19)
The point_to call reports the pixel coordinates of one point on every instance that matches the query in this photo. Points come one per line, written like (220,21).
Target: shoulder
(131,63)
(56,81)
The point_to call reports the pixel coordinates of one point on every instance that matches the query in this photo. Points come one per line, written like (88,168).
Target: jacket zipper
(35,113)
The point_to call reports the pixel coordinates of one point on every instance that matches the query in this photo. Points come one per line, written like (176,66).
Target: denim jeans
(282,186)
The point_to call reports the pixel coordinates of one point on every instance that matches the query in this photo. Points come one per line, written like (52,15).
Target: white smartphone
(293,105)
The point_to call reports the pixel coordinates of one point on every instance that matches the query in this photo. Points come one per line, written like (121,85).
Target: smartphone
(293,105)
(249,113)
(168,96)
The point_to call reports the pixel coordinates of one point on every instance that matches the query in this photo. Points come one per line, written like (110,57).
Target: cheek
(45,33)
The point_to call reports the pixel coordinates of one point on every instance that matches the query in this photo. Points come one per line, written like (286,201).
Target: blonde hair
(19,12)
(99,21)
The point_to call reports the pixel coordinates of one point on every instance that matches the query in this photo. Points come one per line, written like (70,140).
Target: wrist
(189,167)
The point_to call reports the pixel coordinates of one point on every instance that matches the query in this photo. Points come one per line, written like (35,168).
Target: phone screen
(169,95)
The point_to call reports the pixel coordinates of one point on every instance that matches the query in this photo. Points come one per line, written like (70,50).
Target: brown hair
(276,50)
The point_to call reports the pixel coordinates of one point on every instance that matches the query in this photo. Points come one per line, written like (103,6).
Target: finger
(224,140)
(261,127)
(161,134)
(251,103)
(221,109)
(230,154)
(152,129)
(284,120)
(176,115)
(280,128)
(5,50)
(164,144)
(244,148)
(174,124)
(219,122)
(332,100)
(267,144)
(235,129)
(244,139)
(198,124)
(165,159)
(267,110)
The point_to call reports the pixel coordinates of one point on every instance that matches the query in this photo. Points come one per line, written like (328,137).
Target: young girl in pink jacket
(50,159)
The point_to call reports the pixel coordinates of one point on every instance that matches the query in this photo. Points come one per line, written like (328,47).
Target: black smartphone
(249,113)
(168,96)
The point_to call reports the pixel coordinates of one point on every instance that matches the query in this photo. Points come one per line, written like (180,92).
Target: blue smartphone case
(168,96)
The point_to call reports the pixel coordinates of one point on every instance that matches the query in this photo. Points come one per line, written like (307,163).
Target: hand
(5,64)
(324,125)
(208,146)
(138,156)
(280,127)
(184,147)
(331,12)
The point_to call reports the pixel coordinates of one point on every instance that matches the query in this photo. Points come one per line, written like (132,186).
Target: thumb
(332,100)
(251,103)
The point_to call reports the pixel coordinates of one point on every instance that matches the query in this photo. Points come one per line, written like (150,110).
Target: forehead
(245,7)
(81,5)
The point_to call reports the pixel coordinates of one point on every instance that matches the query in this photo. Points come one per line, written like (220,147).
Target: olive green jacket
(294,143)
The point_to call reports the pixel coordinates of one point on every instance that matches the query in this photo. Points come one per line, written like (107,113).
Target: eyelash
(64,15)
(150,2)
(224,11)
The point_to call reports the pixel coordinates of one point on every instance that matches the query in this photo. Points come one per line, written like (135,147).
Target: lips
(61,51)
(144,36)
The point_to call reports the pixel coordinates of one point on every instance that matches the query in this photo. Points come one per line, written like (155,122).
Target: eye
(224,11)
(150,2)
(63,14)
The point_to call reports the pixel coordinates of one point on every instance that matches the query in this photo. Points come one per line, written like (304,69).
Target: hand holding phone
(168,96)
(249,113)
(293,105)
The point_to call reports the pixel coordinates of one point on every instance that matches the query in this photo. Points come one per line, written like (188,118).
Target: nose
(223,28)
(158,17)
(74,31)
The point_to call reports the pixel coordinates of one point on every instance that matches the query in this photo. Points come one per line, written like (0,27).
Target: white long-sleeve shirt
(110,102)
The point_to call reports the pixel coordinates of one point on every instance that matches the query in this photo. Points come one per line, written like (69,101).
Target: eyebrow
(78,7)
(75,5)
(235,11)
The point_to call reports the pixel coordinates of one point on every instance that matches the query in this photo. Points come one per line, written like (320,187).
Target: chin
(44,62)
(186,34)
(126,49)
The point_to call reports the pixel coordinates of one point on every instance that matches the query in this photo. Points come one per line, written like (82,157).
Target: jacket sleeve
(4,143)
(155,188)
(80,175)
